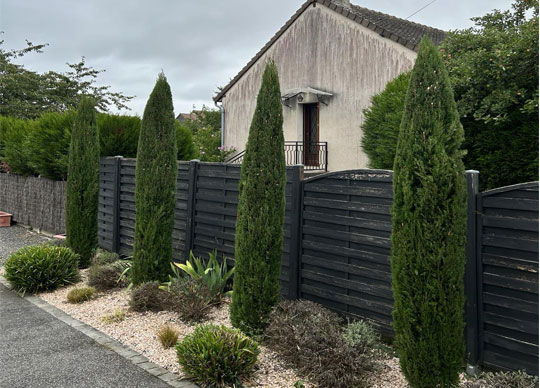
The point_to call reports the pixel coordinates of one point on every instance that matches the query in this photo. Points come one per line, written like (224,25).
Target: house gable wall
(327,51)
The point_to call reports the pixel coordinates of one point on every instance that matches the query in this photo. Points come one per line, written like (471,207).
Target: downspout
(222,120)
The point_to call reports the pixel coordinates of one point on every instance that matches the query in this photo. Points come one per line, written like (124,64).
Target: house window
(311,134)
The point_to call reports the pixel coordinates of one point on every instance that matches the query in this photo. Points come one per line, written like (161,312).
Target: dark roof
(402,31)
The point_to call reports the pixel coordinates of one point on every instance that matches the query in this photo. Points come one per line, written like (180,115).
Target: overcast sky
(199,44)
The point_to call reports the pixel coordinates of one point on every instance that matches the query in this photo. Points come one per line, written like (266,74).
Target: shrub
(428,229)
(82,188)
(116,317)
(80,294)
(208,147)
(13,144)
(310,337)
(103,257)
(48,144)
(155,187)
(118,135)
(261,209)
(149,297)
(517,379)
(362,337)
(191,299)
(168,337)
(217,355)
(184,143)
(104,277)
(213,274)
(41,267)
(381,123)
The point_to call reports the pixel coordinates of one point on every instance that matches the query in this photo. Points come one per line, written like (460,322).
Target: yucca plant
(212,273)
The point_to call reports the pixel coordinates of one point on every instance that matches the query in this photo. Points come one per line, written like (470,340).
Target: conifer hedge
(82,187)
(428,228)
(155,185)
(261,209)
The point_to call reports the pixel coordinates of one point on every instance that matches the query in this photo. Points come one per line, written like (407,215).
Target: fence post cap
(472,172)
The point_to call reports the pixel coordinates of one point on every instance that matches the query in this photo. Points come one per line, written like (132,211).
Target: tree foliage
(261,207)
(28,94)
(82,187)
(118,134)
(155,186)
(184,142)
(428,228)
(382,121)
(493,68)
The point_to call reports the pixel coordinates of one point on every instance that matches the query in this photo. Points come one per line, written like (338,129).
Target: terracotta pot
(5,219)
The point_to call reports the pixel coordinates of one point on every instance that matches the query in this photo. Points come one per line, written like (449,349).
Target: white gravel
(139,331)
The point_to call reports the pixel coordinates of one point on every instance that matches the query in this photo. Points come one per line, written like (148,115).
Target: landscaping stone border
(110,343)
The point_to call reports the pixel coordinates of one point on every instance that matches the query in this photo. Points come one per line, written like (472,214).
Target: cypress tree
(155,186)
(261,208)
(82,188)
(428,228)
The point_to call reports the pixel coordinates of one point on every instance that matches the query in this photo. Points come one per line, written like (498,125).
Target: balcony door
(311,134)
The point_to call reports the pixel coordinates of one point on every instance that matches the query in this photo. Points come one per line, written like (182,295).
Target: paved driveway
(16,237)
(38,350)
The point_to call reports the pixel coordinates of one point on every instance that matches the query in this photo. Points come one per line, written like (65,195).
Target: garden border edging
(108,342)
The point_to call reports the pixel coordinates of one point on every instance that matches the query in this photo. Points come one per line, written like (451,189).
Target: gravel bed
(138,330)
(16,237)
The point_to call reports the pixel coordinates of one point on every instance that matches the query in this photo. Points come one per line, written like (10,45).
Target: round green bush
(217,355)
(41,267)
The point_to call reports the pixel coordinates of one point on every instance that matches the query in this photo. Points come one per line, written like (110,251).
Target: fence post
(296,233)
(471,279)
(116,205)
(190,222)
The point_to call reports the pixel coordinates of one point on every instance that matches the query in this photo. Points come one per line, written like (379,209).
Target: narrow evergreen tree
(155,186)
(82,189)
(428,228)
(261,208)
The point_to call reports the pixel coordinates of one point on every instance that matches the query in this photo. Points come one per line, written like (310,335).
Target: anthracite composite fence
(336,248)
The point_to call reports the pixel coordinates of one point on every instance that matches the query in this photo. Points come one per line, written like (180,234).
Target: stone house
(332,57)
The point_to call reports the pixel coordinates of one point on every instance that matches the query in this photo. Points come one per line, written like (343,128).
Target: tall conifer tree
(155,186)
(261,208)
(428,228)
(82,188)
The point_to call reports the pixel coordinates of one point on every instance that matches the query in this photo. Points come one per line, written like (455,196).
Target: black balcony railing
(313,156)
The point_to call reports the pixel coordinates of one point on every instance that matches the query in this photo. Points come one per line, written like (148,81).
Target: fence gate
(507,264)
(345,243)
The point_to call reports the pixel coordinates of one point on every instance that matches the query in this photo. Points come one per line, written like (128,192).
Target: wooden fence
(35,202)
(336,248)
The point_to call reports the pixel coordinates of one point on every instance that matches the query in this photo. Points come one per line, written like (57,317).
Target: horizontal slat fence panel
(345,251)
(508,257)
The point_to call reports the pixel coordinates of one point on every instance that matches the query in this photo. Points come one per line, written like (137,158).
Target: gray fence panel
(508,258)
(107,209)
(345,252)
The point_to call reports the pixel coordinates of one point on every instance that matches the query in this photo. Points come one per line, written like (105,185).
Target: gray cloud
(198,44)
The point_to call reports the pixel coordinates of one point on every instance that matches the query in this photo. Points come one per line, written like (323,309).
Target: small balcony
(314,156)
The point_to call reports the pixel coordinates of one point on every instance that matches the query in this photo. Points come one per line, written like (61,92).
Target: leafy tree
(428,228)
(493,68)
(82,188)
(261,207)
(382,121)
(184,143)
(118,135)
(155,186)
(207,142)
(28,94)
(202,118)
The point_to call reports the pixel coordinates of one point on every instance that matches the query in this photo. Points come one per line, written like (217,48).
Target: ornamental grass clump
(217,355)
(103,257)
(517,379)
(311,338)
(80,294)
(167,336)
(149,297)
(191,299)
(105,277)
(428,229)
(41,268)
